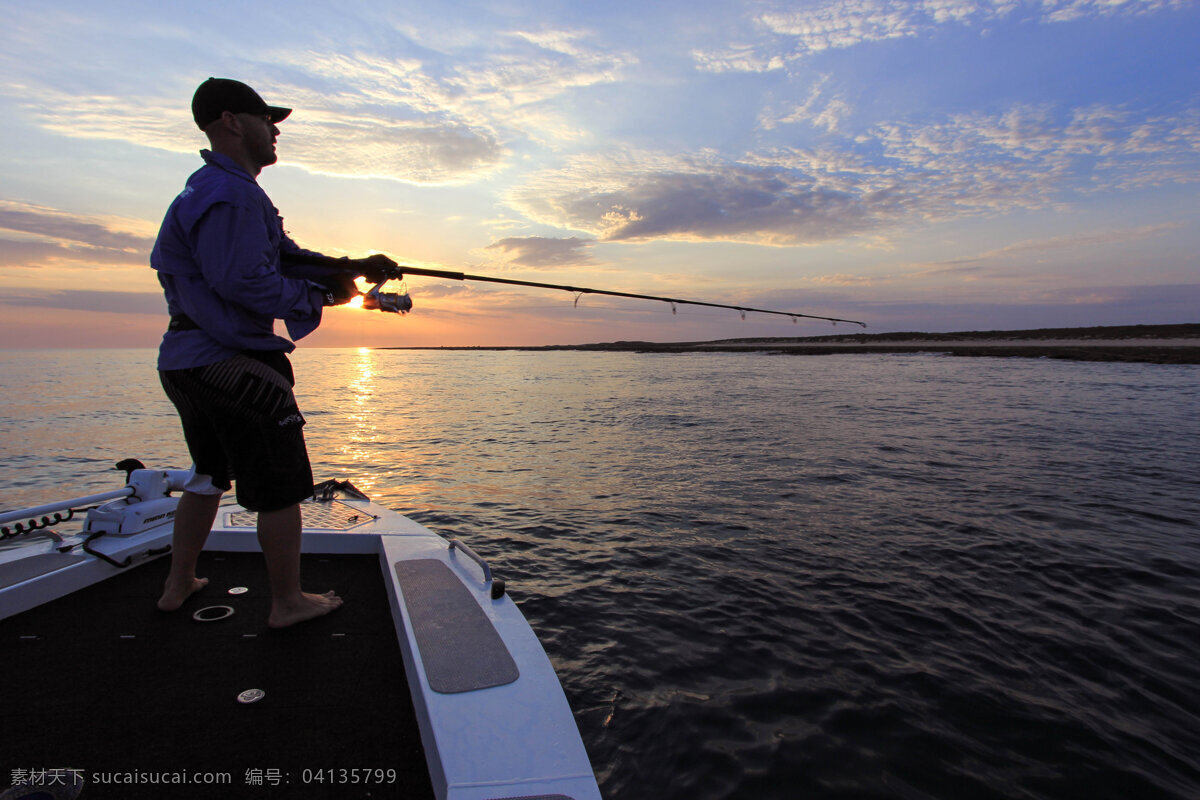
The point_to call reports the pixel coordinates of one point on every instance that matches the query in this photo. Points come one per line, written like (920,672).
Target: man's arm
(297,262)
(237,258)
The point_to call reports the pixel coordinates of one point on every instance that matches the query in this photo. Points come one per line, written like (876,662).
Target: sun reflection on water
(358,447)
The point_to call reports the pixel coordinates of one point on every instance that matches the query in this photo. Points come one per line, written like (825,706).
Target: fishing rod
(379,269)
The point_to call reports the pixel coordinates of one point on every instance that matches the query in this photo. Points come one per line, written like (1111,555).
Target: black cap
(218,95)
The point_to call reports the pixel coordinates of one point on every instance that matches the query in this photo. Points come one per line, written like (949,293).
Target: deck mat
(101,681)
(332,515)
(460,648)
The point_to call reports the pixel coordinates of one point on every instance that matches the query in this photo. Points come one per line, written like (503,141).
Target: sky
(933,165)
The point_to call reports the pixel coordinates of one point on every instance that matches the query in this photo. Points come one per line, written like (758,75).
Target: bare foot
(304,607)
(173,595)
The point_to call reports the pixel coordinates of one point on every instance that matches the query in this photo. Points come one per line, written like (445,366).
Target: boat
(427,683)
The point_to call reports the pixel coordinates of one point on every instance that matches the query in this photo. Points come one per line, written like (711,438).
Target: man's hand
(339,288)
(376,268)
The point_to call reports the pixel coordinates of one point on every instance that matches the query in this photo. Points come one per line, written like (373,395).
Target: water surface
(770,576)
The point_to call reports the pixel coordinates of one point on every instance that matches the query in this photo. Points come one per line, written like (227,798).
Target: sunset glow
(963,165)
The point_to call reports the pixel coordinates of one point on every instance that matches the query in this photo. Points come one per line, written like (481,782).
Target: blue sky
(935,165)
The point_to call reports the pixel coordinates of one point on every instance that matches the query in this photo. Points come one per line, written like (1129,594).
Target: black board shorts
(241,423)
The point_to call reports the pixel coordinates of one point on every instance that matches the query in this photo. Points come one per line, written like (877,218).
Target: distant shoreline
(1157,344)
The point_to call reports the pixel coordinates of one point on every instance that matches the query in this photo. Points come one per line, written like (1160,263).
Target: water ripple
(836,577)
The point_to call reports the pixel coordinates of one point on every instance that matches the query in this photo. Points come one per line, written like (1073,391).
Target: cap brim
(278,114)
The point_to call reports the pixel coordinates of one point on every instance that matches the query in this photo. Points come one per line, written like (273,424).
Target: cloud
(1027,153)
(1072,242)
(517,85)
(845,23)
(26,218)
(884,309)
(737,58)
(816,109)
(1068,10)
(396,142)
(843,279)
(442,117)
(88,300)
(1018,264)
(643,196)
(422,117)
(897,173)
(537,251)
(792,33)
(44,234)
(418,152)
(23,252)
(26,253)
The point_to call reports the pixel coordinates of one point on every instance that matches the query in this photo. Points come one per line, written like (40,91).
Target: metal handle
(496,585)
(478,559)
(63,505)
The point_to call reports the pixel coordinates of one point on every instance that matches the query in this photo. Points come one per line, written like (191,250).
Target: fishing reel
(392,302)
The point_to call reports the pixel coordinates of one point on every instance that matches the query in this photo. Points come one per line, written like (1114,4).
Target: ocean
(769,576)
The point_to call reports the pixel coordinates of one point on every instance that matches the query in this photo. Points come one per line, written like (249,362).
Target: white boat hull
(493,718)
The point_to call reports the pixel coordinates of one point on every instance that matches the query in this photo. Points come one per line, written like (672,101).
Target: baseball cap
(218,95)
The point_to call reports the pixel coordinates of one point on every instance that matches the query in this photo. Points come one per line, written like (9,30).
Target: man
(220,257)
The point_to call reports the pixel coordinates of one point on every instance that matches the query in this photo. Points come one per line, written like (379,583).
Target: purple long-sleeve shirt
(218,260)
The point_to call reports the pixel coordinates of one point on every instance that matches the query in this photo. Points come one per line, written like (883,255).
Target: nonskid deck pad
(460,648)
(327,516)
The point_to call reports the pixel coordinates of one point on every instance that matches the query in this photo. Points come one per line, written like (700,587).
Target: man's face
(259,134)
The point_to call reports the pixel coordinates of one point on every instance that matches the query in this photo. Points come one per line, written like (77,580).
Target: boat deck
(87,675)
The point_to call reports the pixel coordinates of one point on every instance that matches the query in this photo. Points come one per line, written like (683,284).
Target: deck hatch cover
(460,648)
(328,516)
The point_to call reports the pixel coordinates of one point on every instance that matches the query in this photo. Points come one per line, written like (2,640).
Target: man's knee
(200,484)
